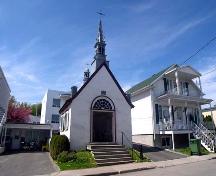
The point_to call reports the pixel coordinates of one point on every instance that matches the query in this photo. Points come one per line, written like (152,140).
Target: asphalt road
(26,164)
(157,154)
(204,168)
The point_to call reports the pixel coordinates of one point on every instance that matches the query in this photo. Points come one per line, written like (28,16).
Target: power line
(200,49)
(214,69)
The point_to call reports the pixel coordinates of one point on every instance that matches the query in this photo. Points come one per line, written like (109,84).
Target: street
(204,168)
(26,164)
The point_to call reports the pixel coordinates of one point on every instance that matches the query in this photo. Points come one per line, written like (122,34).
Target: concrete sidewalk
(132,167)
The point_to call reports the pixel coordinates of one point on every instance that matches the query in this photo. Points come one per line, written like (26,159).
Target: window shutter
(157,113)
(185,111)
(187,89)
(165,84)
(173,114)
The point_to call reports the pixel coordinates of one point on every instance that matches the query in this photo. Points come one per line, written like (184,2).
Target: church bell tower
(100,45)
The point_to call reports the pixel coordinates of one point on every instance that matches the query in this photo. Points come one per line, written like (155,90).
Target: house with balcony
(4,98)
(167,110)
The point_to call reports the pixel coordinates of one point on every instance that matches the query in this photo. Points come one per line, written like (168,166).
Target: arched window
(102,104)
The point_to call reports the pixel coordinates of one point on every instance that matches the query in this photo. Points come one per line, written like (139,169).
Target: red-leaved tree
(18,112)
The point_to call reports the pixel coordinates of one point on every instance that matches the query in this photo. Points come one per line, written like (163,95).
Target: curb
(136,170)
(172,151)
(120,172)
(55,166)
(161,164)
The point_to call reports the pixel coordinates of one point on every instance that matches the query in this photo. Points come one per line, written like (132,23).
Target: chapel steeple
(100,45)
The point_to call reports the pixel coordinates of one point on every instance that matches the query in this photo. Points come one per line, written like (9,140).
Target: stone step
(108,149)
(102,143)
(112,156)
(105,146)
(106,160)
(114,163)
(109,152)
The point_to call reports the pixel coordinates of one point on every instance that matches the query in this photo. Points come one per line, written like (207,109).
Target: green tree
(207,118)
(36,109)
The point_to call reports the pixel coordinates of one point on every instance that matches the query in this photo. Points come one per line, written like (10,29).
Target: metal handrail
(204,136)
(207,131)
(2,120)
(128,141)
(199,129)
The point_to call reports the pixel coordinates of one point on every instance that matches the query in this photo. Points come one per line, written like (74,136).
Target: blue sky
(47,44)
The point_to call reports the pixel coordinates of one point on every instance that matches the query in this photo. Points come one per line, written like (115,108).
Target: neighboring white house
(100,111)
(168,108)
(4,99)
(51,103)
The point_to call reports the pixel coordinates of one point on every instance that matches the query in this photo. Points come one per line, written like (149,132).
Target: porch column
(170,112)
(177,82)
(200,84)
(184,114)
(200,119)
(51,132)
(173,141)
(188,139)
(183,117)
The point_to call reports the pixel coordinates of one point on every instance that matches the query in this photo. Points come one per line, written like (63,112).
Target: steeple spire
(100,56)
(100,37)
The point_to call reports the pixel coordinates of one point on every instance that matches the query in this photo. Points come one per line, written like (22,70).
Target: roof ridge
(146,82)
(69,101)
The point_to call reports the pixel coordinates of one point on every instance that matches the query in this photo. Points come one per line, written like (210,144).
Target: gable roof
(148,81)
(69,101)
(2,74)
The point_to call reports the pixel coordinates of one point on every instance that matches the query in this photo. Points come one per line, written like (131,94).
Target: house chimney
(73,90)
(128,96)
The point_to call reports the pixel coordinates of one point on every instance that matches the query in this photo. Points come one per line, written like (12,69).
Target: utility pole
(36,108)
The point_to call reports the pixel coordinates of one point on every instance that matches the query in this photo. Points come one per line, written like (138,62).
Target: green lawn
(136,156)
(84,159)
(187,151)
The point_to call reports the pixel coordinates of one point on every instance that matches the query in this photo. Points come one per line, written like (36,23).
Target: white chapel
(99,111)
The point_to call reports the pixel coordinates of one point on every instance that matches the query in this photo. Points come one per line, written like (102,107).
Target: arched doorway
(102,120)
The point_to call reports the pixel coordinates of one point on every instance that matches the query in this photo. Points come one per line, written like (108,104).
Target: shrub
(83,156)
(207,118)
(58,144)
(80,159)
(66,156)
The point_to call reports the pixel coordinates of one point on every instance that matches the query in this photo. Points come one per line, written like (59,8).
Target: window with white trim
(55,118)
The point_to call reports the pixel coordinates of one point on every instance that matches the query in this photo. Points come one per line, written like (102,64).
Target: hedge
(58,144)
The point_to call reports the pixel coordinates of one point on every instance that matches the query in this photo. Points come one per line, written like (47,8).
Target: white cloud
(21,70)
(170,33)
(140,7)
(209,80)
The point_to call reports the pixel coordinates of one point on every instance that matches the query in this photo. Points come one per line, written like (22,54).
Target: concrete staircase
(109,154)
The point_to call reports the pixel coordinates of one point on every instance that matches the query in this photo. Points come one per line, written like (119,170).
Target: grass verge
(187,151)
(136,156)
(83,159)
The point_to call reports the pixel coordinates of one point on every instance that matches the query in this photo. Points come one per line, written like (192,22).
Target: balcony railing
(175,92)
(168,126)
